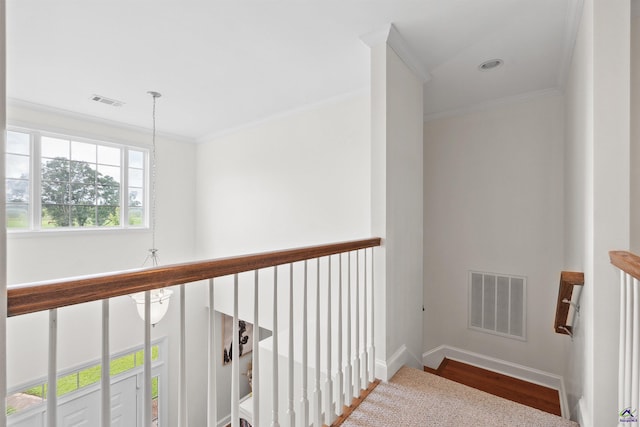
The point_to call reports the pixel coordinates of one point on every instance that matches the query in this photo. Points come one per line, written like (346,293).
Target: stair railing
(338,395)
(629,354)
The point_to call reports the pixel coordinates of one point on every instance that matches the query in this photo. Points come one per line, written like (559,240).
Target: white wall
(40,256)
(297,180)
(493,202)
(292,181)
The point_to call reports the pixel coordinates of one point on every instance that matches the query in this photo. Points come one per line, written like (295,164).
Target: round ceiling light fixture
(491,64)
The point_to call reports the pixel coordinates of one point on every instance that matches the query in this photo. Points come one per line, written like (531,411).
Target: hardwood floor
(534,395)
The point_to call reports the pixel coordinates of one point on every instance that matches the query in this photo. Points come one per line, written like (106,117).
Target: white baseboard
(582,414)
(433,358)
(387,369)
(381,370)
(225,421)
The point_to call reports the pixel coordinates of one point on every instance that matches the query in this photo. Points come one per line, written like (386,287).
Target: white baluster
(622,347)
(348,393)
(372,346)
(628,344)
(356,361)
(212,410)
(635,357)
(52,394)
(105,379)
(274,392)
(304,400)
(182,401)
(317,395)
(147,360)
(235,363)
(364,356)
(330,411)
(340,373)
(255,369)
(290,412)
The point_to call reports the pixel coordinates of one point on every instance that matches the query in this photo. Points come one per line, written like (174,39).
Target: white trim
(494,103)
(67,232)
(387,369)
(390,35)
(3,232)
(381,370)
(574,12)
(397,361)
(582,414)
(225,421)
(19,103)
(434,357)
(281,115)
(34,127)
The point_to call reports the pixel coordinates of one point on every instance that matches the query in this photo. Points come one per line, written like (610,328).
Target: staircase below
(533,395)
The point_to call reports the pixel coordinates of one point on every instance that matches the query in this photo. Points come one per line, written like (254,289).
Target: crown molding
(392,37)
(39,108)
(284,114)
(492,104)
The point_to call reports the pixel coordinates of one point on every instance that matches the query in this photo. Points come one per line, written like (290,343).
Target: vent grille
(497,304)
(105,100)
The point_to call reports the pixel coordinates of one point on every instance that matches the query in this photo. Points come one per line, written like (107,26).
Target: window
(62,182)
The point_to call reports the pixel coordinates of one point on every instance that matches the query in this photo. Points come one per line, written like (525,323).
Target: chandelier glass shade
(159,304)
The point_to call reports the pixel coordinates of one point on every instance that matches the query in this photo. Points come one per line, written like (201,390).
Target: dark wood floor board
(516,390)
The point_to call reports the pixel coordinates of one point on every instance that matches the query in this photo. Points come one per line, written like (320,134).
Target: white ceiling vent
(497,304)
(108,101)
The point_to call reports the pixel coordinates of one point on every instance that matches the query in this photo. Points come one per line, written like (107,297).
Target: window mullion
(36,181)
(124,188)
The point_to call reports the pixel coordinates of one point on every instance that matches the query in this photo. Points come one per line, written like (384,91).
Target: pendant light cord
(153,251)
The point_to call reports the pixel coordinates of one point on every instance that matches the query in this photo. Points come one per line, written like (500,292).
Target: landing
(416,398)
(534,395)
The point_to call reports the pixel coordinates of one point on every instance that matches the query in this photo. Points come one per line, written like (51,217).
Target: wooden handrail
(627,262)
(568,280)
(34,297)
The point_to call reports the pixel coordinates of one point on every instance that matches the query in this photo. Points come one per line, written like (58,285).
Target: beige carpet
(416,398)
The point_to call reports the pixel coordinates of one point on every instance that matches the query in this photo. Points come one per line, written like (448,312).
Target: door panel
(81,411)
(124,403)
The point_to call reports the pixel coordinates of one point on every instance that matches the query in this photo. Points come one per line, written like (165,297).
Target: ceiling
(221,65)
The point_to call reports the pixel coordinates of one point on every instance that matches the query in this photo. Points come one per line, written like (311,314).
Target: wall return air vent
(497,304)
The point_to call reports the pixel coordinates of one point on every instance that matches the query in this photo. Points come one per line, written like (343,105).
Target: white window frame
(35,186)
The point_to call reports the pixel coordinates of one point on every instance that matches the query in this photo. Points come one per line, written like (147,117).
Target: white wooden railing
(349,328)
(629,354)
